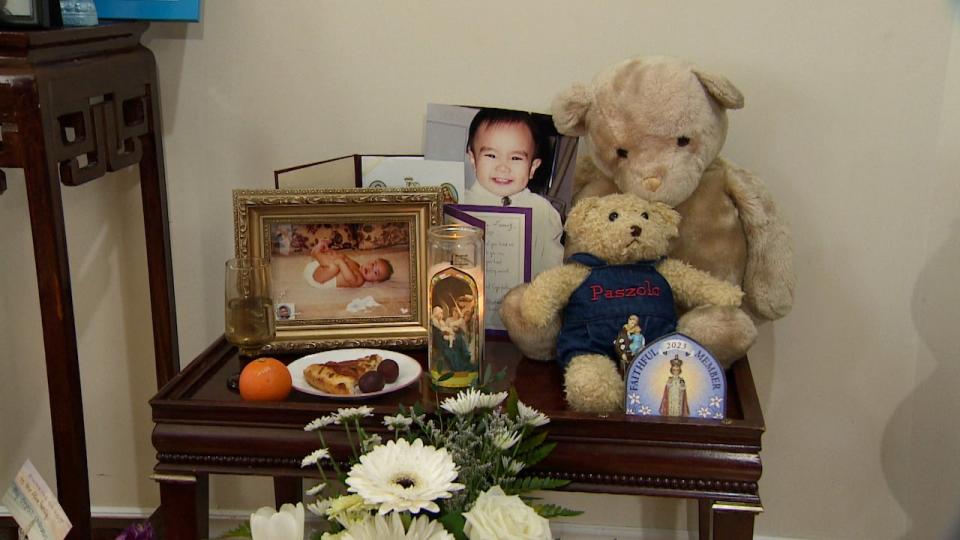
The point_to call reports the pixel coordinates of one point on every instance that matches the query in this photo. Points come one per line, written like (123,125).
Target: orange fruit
(265,379)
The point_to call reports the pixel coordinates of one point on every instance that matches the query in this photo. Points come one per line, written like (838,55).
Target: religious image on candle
(454,324)
(455,303)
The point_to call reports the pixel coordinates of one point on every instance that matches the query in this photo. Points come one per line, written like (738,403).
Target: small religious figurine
(674,402)
(629,342)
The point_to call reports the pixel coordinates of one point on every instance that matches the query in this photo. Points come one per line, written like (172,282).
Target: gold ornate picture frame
(348,266)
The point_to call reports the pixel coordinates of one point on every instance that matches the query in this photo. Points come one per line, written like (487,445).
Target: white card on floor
(34,506)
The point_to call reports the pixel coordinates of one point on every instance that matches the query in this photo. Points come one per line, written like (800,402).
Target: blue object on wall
(149,10)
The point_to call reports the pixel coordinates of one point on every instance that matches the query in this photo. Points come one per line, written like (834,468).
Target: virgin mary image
(674,402)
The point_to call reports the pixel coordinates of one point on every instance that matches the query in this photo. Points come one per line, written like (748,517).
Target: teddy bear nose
(635,230)
(652,183)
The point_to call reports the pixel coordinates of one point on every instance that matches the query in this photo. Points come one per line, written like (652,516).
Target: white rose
(268,524)
(496,516)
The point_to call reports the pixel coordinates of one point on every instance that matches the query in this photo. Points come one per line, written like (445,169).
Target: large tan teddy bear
(654,127)
(617,271)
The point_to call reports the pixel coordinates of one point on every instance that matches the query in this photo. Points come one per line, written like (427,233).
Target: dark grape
(371,381)
(389,369)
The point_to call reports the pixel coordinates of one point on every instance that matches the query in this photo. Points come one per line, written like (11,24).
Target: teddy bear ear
(721,89)
(570,110)
(583,206)
(669,215)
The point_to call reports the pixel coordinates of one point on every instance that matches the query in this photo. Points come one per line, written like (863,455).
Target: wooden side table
(76,103)
(202,428)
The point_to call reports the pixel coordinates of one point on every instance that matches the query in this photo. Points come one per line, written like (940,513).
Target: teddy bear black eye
(645,215)
(683,140)
(613,216)
(622,152)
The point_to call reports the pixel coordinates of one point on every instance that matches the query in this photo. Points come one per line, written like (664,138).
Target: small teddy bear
(654,127)
(617,271)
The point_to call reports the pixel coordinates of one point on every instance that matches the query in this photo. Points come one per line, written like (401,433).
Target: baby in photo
(331,269)
(502,146)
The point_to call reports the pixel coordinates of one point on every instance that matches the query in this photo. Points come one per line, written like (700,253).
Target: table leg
(184,506)
(156,225)
(703,518)
(733,521)
(287,489)
(59,330)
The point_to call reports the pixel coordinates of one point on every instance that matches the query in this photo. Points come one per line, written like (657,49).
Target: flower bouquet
(452,475)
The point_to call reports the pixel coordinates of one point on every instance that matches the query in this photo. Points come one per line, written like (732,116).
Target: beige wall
(852,119)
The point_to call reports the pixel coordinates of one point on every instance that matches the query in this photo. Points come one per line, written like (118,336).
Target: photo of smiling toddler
(504,147)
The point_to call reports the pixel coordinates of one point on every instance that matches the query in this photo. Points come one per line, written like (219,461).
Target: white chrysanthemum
(397,422)
(372,441)
(463,403)
(316,489)
(319,507)
(489,401)
(321,422)
(315,457)
(390,527)
(344,415)
(531,416)
(400,476)
(512,466)
(506,439)
(349,510)
(470,400)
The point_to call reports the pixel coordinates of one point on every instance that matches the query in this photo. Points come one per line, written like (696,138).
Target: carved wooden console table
(202,428)
(76,103)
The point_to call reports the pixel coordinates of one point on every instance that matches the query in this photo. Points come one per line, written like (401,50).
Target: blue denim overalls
(600,306)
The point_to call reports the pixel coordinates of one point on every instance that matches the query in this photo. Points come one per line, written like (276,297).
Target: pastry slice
(326,379)
(340,378)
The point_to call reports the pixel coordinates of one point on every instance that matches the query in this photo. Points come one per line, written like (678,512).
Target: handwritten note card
(507,235)
(35,507)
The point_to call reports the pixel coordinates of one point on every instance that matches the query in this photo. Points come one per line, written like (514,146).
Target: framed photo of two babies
(347,266)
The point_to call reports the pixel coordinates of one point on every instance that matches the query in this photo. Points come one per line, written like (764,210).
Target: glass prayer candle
(455,303)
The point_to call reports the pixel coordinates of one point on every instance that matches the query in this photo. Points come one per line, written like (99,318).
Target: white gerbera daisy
(400,476)
(397,422)
(344,415)
(390,527)
(316,489)
(321,422)
(315,457)
(531,416)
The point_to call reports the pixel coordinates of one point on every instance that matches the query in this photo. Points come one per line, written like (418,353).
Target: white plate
(409,370)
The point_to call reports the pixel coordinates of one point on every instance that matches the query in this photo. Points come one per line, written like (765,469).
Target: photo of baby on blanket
(342,270)
(332,268)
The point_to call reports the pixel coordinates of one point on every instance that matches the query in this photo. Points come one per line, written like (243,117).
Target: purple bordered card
(676,376)
(507,233)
